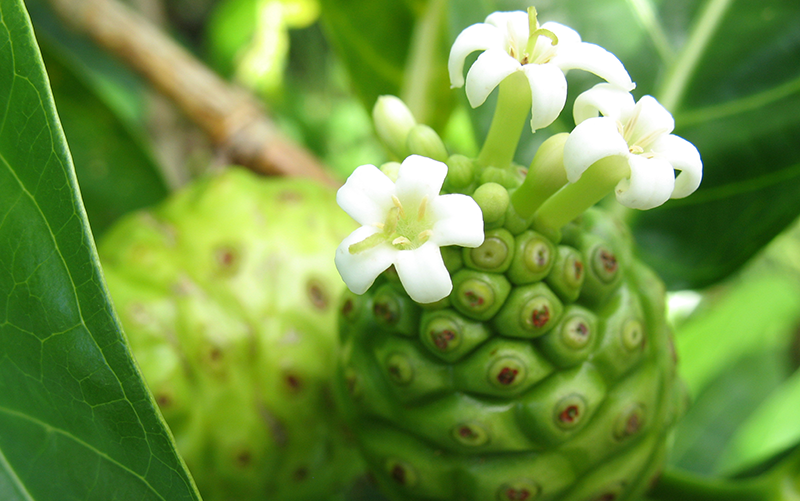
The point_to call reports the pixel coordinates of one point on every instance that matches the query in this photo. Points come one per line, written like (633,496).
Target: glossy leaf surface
(76,421)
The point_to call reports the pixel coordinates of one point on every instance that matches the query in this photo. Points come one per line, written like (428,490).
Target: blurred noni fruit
(227,293)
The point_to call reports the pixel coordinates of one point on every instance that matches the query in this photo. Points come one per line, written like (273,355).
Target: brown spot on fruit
(244,458)
(570,414)
(300,474)
(317,295)
(507,375)
(540,316)
(442,338)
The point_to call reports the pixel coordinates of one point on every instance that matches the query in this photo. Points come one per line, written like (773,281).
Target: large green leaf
(76,420)
(735,89)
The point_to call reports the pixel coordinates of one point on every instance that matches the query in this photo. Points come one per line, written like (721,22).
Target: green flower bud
(393,121)
(423,140)
(493,200)
(460,173)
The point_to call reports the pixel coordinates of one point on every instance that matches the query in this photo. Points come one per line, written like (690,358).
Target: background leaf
(736,96)
(76,421)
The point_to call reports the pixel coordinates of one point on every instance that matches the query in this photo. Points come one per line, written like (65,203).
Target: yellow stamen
(401,241)
(424,236)
(423,205)
(397,204)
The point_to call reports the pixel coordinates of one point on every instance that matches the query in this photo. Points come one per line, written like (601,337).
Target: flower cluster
(618,144)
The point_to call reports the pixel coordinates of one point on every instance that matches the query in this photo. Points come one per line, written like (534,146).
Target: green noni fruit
(227,293)
(547,374)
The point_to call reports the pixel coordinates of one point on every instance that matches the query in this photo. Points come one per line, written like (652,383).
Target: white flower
(514,41)
(403,224)
(638,134)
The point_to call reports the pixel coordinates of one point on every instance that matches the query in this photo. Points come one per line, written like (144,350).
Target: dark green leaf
(396,48)
(738,101)
(771,429)
(76,421)
(372,39)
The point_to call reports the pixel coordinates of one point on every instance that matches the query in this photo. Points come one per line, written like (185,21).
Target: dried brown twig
(232,117)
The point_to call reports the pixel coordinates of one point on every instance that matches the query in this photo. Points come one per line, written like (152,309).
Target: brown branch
(232,117)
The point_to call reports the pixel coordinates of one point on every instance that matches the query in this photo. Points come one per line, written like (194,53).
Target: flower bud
(393,121)
(423,140)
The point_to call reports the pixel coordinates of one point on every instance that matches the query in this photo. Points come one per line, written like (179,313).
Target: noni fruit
(547,373)
(227,293)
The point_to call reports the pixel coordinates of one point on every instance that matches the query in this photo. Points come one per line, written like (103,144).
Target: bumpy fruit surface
(227,293)
(547,374)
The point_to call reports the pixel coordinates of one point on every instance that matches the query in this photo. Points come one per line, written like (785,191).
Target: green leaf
(396,48)
(735,89)
(726,402)
(76,420)
(372,39)
(770,430)
(755,314)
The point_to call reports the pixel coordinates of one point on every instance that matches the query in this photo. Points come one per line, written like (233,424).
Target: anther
(397,204)
(422,207)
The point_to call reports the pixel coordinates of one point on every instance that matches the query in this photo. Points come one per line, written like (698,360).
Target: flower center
(636,135)
(403,229)
(535,52)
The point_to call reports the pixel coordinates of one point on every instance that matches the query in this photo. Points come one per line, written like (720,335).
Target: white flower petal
(649,121)
(423,273)
(486,73)
(650,184)
(604,99)
(595,59)
(548,93)
(683,156)
(566,35)
(360,270)
(476,37)
(419,177)
(514,25)
(459,221)
(366,196)
(590,141)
